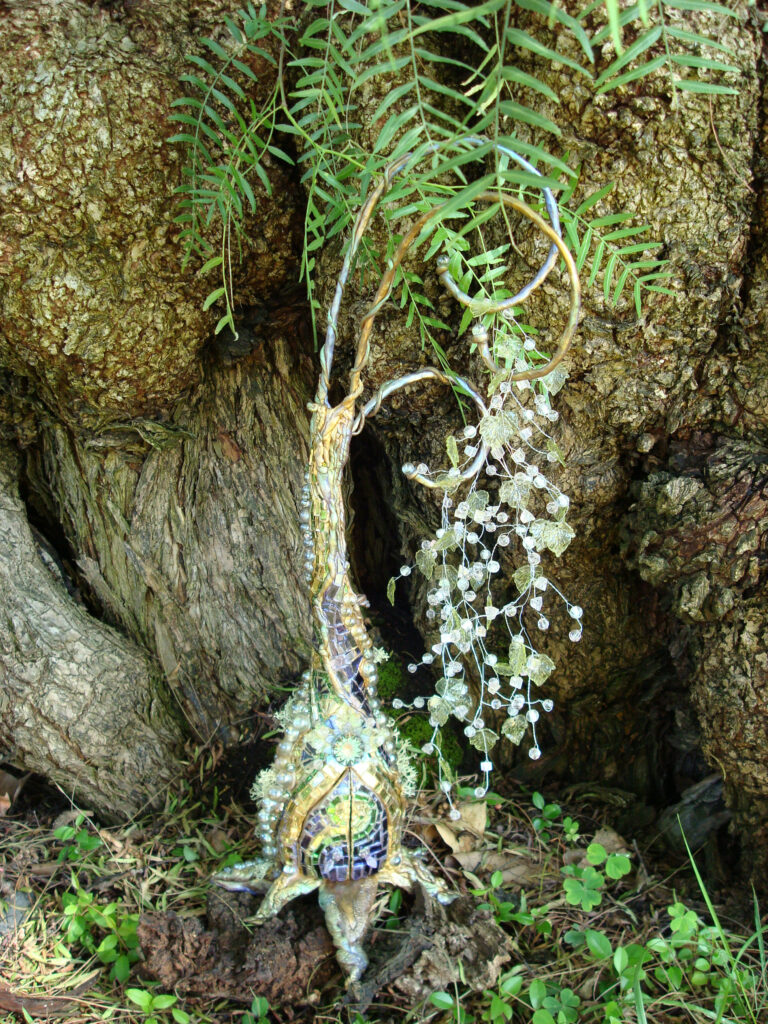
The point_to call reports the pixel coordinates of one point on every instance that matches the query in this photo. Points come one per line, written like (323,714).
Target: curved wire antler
(479,307)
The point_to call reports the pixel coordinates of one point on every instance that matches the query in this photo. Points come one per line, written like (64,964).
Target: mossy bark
(173,471)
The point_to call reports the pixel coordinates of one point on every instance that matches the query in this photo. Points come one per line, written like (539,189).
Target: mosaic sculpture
(333,805)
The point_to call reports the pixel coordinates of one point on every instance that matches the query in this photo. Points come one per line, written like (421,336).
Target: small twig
(728,163)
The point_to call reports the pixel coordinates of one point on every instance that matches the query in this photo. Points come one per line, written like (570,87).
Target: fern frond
(429,94)
(671,41)
(609,257)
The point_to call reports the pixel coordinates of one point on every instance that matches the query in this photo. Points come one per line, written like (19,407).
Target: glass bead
(534,753)
(405,570)
(543,623)
(547,705)
(454,815)
(486,766)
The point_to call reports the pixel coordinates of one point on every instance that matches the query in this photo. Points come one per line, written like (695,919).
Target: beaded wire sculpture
(333,805)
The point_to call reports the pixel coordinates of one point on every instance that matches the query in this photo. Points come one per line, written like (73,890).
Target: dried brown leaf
(611,840)
(517,867)
(10,787)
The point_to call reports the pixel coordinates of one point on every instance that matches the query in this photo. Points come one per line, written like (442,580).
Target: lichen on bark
(93,304)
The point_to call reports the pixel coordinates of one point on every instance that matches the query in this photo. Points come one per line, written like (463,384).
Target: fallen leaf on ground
(462,835)
(611,840)
(68,817)
(10,787)
(43,1006)
(44,869)
(517,867)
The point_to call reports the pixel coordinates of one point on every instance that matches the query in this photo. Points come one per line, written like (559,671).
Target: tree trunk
(80,702)
(172,471)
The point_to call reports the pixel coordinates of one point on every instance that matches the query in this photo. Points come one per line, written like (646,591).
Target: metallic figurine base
(337,819)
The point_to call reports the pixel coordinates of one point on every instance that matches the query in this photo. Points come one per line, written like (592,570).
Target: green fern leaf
(517,37)
(707,88)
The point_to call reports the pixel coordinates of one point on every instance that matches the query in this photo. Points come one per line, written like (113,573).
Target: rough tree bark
(62,667)
(173,472)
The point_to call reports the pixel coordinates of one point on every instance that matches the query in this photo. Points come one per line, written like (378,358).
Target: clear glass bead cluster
(527,514)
